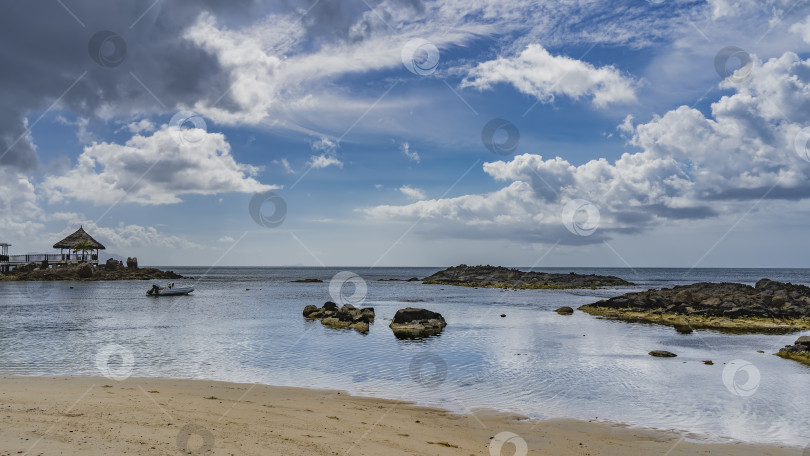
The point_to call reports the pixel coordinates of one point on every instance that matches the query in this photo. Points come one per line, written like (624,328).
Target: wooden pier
(88,255)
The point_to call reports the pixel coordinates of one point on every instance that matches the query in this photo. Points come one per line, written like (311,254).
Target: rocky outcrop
(410,322)
(769,306)
(132,262)
(501,277)
(88,272)
(307,281)
(564,310)
(84,271)
(799,351)
(347,316)
(113,265)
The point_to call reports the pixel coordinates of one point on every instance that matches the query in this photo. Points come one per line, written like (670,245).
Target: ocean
(245,325)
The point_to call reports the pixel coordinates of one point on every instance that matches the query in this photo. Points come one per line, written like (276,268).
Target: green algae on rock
(770,306)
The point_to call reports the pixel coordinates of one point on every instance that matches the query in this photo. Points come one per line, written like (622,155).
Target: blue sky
(155,125)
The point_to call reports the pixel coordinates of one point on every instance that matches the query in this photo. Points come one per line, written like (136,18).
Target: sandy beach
(99,416)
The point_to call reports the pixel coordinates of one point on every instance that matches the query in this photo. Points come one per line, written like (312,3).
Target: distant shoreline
(145,416)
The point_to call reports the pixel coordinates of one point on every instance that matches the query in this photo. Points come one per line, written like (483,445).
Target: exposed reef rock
(501,277)
(347,316)
(799,351)
(111,270)
(410,322)
(769,306)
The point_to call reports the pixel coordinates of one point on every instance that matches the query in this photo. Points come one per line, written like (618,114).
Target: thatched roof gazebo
(80,237)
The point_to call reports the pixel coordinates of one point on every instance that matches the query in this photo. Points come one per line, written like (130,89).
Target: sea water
(245,325)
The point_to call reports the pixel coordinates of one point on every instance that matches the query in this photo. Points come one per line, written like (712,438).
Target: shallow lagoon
(533,361)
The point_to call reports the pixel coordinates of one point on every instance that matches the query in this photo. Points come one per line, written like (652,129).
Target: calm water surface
(533,361)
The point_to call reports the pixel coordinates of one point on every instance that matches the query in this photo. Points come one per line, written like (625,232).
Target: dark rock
(132,262)
(708,362)
(309,310)
(113,265)
(347,316)
(683,297)
(799,351)
(662,354)
(501,277)
(564,310)
(413,279)
(770,305)
(81,272)
(503,315)
(307,281)
(84,271)
(411,322)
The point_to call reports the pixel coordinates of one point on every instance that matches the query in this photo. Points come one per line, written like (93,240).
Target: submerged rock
(564,310)
(412,322)
(662,354)
(501,277)
(307,281)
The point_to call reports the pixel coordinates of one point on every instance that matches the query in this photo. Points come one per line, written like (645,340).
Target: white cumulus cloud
(156,169)
(538,73)
(688,167)
(412,192)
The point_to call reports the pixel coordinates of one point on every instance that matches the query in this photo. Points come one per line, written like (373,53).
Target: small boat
(169,290)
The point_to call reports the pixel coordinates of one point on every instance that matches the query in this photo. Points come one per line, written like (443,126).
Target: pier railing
(52,258)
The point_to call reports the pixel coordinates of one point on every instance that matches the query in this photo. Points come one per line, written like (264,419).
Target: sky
(637,133)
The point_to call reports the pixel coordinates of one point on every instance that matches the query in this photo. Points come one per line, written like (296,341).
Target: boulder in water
(411,323)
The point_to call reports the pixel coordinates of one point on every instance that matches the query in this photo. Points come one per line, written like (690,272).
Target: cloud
(413,193)
(141,126)
(285,165)
(156,169)
(18,204)
(226,239)
(688,167)
(123,236)
(538,73)
(802,28)
(412,155)
(323,161)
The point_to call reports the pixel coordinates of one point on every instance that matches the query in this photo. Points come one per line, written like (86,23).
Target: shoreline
(97,415)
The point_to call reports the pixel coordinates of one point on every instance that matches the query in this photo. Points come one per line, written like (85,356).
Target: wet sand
(99,416)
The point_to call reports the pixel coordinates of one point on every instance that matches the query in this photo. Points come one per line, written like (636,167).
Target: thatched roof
(73,239)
